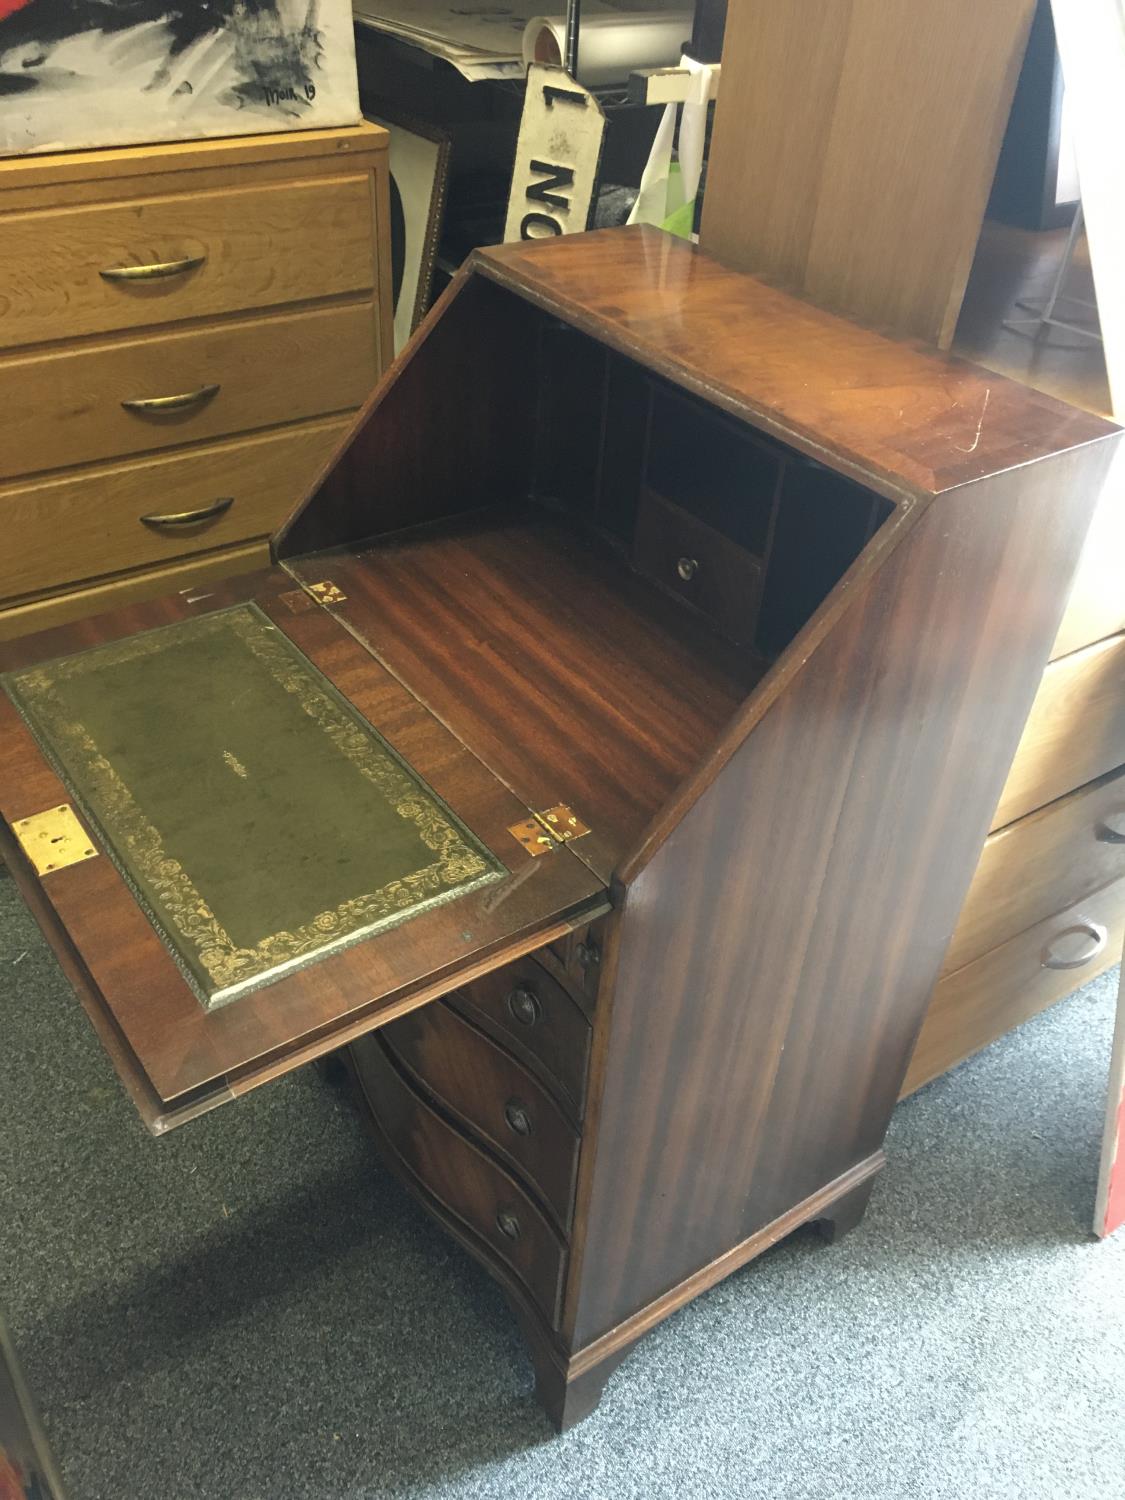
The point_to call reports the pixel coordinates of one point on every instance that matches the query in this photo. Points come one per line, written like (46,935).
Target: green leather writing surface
(259,819)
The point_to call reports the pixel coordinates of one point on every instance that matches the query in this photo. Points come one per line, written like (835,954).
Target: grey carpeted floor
(250,1310)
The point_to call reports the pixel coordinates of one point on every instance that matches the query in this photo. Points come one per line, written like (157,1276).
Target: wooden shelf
(571,678)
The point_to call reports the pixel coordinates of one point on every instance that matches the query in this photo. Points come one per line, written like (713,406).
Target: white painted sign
(558,155)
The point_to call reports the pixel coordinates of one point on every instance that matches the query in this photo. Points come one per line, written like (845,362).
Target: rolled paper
(611,47)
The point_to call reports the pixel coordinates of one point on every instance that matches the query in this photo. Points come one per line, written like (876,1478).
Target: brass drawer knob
(188,517)
(517,1118)
(588,954)
(687,568)
(157,271)
(180,402)
(1096,938)
(508,1224)
(524,1006)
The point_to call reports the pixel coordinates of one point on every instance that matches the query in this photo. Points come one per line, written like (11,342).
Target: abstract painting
(84,73)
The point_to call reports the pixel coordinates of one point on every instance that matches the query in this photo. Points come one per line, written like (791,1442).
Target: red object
(8,7)
(1115,1193)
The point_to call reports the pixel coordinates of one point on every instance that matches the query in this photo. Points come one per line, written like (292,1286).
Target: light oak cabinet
(185,332)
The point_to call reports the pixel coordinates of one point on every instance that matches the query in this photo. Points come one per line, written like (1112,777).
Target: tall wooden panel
(855,146)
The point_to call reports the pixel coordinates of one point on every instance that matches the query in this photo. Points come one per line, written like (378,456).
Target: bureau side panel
(776,954)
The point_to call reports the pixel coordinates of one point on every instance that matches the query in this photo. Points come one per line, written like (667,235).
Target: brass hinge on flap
(54,839)
(545,831)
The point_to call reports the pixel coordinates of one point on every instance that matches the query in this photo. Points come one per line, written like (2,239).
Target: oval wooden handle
(171,403)
(1094,931)
(157,271)
(189,517)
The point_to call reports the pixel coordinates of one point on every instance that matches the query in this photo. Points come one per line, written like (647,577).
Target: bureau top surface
(921,422)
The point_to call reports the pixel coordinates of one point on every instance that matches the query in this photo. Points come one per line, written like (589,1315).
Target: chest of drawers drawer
(1050,859)
(110,267)
(1016,980)
(70,408)
(1075,731)
(80,526)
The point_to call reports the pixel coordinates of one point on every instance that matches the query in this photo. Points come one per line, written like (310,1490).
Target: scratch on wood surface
(972,448)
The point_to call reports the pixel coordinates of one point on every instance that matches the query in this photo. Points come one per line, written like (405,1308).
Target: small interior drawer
(89,524)
(498,1099)
(463,1181)
(698,564)
(1041,864)
(531,1014)
(184,255)
(68,408)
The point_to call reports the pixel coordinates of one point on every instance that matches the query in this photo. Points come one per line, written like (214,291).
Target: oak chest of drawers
(184,333)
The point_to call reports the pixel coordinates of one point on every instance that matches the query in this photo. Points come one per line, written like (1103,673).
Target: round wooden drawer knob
(508,1224)
(517,1117)
(524,1006)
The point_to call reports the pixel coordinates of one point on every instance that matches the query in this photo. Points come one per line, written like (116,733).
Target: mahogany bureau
(603,762)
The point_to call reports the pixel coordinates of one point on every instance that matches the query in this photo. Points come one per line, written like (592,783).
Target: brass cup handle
(155,272)
(171,403)
(188,517)
(1107,835)
(1094,931)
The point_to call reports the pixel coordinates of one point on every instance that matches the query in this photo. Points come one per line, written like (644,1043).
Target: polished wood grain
(885,411)
(1011,983)
(853,161)
(1075,730)
(260,248)
(83,524)
(461,1180)
(66,406)
(185,1052)
(489,1092)
(1041,864)
(533,1016)
(870,779)
(572,680)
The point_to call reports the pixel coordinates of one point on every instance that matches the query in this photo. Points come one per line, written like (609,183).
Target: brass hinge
(302,599)
(545,831)
(54,839)
(327,592)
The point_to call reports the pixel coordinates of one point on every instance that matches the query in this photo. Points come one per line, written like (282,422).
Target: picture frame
(420,155)
(91,74)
